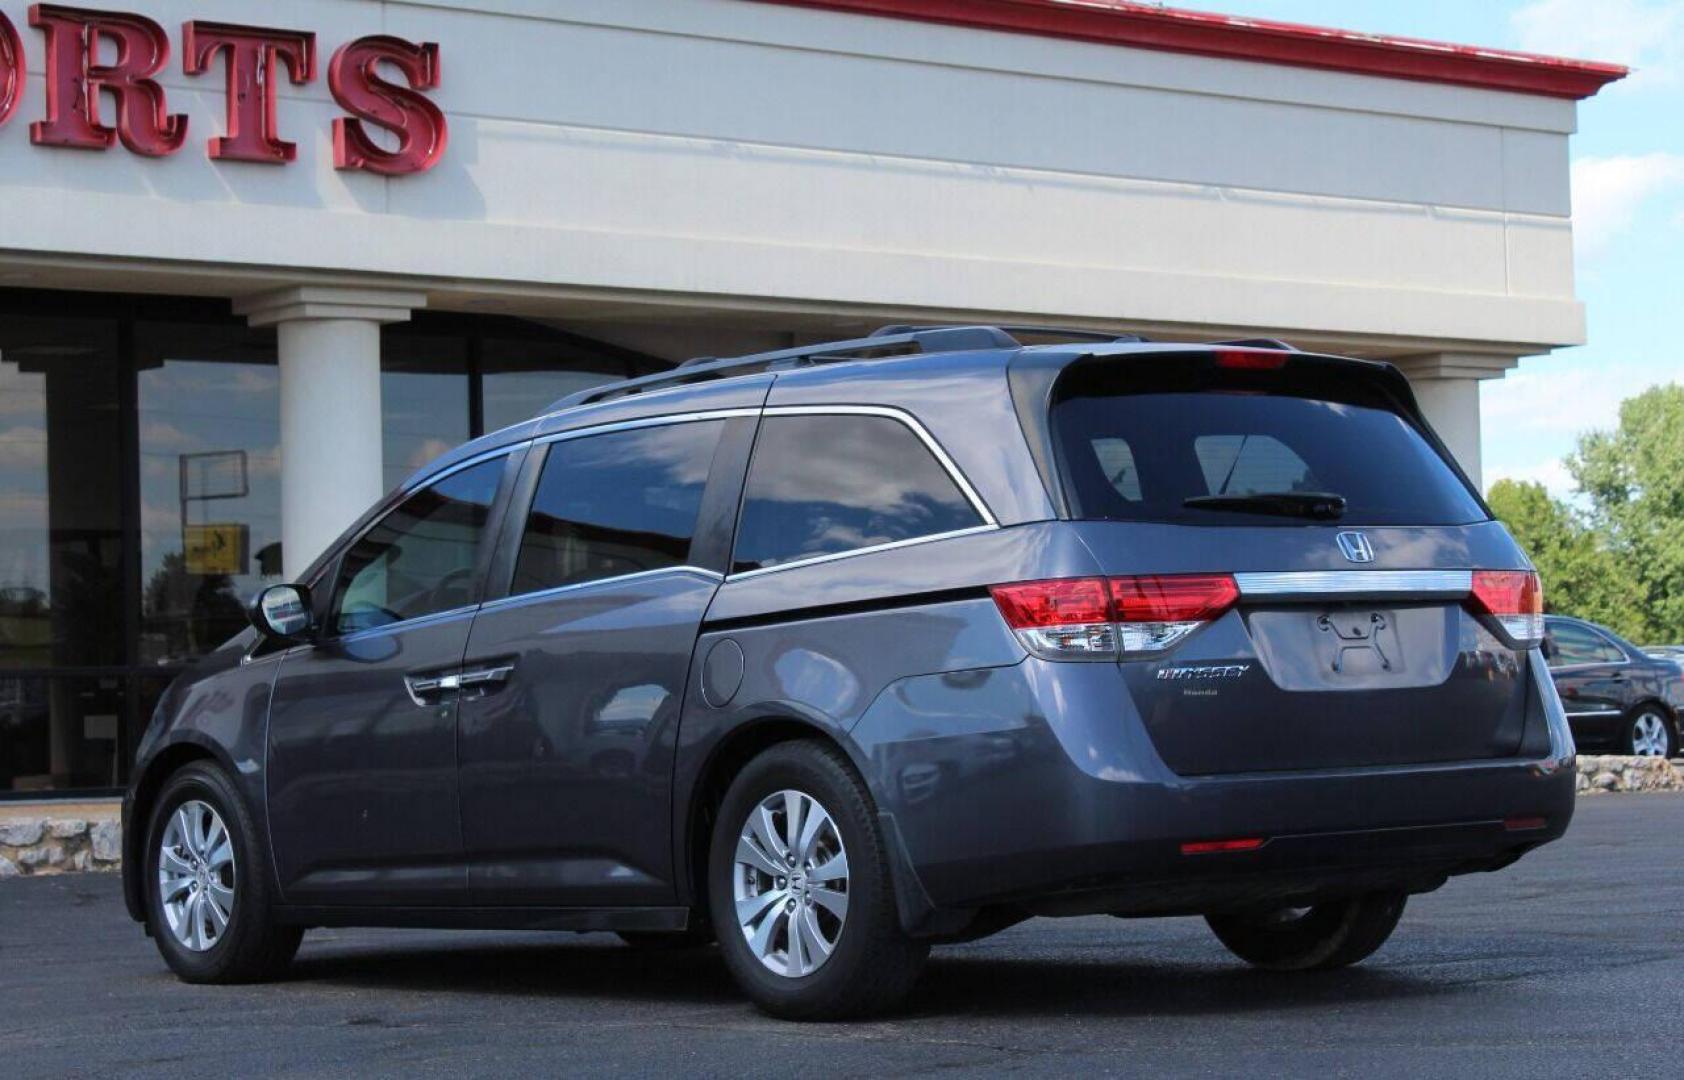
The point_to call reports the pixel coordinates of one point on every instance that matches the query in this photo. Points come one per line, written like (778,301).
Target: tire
(698,936)
(249,946)
(1650,733)
(871,965)
(1320,938)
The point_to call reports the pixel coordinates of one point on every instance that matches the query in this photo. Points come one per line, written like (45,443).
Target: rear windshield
(1136,445)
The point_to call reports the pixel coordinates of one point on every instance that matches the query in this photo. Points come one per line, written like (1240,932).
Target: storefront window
(210,484)
(61,733)
(423,400)
(60,493)
(524,378)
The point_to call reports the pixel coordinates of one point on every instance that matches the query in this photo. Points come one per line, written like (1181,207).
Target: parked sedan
(1618,698)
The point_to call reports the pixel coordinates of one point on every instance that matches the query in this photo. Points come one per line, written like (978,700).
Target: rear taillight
(1515,600)
(1103,618)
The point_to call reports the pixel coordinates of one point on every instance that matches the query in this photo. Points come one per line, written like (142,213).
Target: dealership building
(251,277)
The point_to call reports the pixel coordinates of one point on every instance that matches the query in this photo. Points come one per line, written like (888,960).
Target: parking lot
(1570,963)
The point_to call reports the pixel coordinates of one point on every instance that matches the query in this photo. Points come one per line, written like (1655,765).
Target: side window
(1249,464)
(421,557)
(619,503)
(822,485)
(1117,460)
(1576,645)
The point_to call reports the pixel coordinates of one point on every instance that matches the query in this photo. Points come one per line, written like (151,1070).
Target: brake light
(1157,611)
(1064,619)
(1220,847)
(1100,618)
(1250,359)
(1515,599)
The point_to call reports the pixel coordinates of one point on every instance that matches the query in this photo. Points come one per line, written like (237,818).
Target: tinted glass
(1577,645)
(210,482)
(1191,433)
(62,733)
(620,503)
(61,470)
(421,557)
(821,485)
(423,400)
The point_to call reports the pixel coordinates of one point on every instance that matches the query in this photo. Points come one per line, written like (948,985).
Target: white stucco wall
(721,151)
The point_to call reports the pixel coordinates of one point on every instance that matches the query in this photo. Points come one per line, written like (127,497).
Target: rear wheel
(207,897)
(799,887)
(1649,733)
(1317,938)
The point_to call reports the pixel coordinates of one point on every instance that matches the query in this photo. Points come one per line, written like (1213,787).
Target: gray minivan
(831,654)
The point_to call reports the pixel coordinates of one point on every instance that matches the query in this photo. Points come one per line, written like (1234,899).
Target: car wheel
(799,887)
(1649,733)
(1318,938)
(207,897)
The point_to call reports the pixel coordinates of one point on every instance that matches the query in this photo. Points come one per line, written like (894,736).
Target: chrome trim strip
(835,556)
(1445,583)
(1594,712)
(645,421)
(544,594)
(916,427)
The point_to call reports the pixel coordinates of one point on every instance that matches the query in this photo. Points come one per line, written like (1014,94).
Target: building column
(329,347)
(1447,386)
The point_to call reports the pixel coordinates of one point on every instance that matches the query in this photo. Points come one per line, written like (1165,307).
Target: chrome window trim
(645,422)
(1309,583)
(515,599)
(400,624)
(445,474)
(917,428)
(872,550)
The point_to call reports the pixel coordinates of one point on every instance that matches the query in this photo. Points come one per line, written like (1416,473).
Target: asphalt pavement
(1570,963)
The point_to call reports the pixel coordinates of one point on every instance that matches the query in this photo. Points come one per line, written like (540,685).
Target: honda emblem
(1356,547)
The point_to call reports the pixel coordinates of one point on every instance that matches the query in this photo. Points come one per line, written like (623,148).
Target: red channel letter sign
(251,59)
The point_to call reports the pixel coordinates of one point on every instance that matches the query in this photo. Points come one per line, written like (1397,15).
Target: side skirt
(655,919)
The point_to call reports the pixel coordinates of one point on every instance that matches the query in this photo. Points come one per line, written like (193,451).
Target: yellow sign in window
(216,549)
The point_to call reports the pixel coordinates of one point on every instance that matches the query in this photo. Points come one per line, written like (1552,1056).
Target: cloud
(1607,192)
(1552,474)
(1556,400)
(1644,35)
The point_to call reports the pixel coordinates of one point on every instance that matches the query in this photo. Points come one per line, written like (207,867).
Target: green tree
(1582,576)
(1633,480)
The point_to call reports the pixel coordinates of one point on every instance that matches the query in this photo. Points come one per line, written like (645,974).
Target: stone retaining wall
(51,845)
(1599,774)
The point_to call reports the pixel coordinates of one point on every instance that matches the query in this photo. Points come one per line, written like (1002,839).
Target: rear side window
(1576,645)
(624,502)
(1136,445)
(824,485)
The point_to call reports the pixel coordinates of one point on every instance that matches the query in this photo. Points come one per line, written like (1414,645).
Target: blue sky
(1628,204)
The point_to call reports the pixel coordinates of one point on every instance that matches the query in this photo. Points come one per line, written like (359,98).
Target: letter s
(419,124)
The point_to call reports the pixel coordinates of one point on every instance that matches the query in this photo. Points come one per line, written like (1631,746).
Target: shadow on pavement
(953,984)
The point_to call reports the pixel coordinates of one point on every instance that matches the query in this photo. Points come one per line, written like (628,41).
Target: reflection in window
(210,483)
(423,401)
(60,493)
(524,378)
(421,558)
(621,503)
(821,485)
(58,733)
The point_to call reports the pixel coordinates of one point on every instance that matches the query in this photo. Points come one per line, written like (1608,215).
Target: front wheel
(1649,734)
(800,892)
(207,897)
(1318,938)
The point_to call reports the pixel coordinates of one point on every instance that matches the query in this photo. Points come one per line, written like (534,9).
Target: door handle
(423,687)
(484,677)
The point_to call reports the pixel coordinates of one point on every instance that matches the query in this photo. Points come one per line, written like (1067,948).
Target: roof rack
(1070,332)
(929,339)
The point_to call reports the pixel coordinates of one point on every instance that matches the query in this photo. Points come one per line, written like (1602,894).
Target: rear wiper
(1311,504)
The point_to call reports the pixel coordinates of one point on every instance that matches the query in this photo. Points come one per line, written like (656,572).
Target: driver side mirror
(282,613)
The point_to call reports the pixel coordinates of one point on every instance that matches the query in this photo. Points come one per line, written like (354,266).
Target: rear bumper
(1030,800)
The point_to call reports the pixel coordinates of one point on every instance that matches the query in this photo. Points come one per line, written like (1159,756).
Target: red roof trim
(1122,22)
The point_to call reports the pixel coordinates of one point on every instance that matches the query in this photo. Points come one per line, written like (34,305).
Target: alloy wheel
(196,876)
(1648,736)
(790,883)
